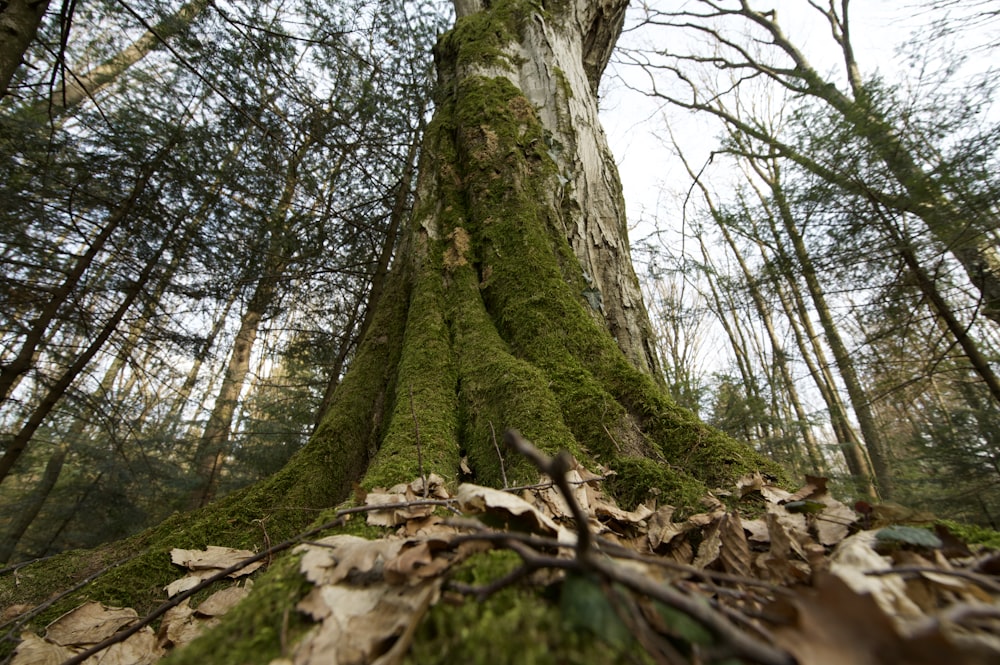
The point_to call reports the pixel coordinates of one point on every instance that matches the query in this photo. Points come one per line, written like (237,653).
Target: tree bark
(19,22)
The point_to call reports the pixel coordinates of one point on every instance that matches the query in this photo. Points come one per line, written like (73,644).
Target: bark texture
(19,21)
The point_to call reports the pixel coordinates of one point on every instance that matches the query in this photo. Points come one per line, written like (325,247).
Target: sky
(653,178)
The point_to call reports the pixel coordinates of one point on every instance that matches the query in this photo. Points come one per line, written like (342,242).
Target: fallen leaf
(413,559)
(832,624)
(662,528)
(735,551)
(338,556)
(478,499)
(752,482)
(221,601)
(140,648)
(215,558)
(710,547)
(180,625)
(855,557)
(88,624)
(365,625)
(399,514)
(33,650)
(815,487)
(832,524)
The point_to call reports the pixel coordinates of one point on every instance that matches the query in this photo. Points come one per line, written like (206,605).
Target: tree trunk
(21,363)
(214,443)
(489,320)
(19,441)
(19,21)
(855,391)
(35,500)
(85,85)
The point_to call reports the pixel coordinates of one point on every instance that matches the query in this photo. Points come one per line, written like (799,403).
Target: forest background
(199,200)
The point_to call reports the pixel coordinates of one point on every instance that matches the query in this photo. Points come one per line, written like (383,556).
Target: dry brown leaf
(662,528)
(815,487)
(783,562)
(89,624)
(856,556)
(478,499)
(759,534)
(710,547)
(832,624)
(606,510)
(425,526)
(435,487)
(410,564)
(752,482)
(33,650)
(832,524)
(393,516)
(735,551)
(775,495)
(222,601)
(362,625)
(206,563)
(11,612)
(179,625)
(214,558)
(189,581)
(140,648)
(338,556)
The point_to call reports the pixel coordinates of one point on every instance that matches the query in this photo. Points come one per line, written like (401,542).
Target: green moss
(499,392)
(972,534)
(563,82)
(519,625)
(483,38)
(426,408)
(639,479)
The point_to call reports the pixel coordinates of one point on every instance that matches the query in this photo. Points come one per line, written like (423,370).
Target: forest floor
(757,575)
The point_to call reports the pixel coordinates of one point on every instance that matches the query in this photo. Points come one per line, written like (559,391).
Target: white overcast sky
(650,174)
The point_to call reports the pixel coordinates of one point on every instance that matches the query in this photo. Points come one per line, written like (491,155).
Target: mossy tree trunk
(512,303)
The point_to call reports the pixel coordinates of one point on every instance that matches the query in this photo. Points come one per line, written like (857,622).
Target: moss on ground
(520,625)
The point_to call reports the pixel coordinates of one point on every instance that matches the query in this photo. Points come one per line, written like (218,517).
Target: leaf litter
(806,580)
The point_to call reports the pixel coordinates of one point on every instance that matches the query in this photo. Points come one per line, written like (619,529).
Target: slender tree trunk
(213,447)
(764,314)
(19,22)
(19,442)
(859,399)
(214,443)
(737,344)
(21,363)
(78,87)
(183,395)
(36,499)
